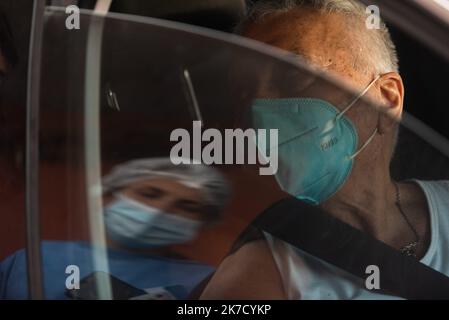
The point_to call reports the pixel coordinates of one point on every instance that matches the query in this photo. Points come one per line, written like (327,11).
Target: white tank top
(309,278)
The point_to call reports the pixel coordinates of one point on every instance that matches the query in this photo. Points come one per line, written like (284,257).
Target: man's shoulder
(441,183)
(248,273)
(444,184)
(437,195)
(435,187)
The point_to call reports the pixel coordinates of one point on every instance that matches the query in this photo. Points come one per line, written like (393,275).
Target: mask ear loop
(357,98)
(338,117)
(364,145)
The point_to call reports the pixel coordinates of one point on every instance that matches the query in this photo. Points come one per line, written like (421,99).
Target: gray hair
(383,56)
(212,184)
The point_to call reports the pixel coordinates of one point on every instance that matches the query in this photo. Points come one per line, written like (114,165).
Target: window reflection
(149,206)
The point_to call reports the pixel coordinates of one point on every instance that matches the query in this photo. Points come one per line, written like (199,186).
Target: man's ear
(392,96)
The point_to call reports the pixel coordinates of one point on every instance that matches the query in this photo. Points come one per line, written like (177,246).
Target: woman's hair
(212,184)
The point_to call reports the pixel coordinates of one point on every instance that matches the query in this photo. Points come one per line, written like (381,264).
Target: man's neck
(366,204)
(370,204)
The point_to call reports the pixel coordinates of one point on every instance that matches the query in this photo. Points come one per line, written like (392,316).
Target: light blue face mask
(317,144)
(136,225)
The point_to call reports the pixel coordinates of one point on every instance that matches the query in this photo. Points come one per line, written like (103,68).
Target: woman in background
(149,206)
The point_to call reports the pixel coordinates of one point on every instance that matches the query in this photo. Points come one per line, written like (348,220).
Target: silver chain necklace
(409,249)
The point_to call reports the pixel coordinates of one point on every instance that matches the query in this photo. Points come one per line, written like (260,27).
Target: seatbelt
(314,231)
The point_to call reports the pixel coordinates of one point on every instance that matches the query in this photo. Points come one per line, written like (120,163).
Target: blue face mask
(136,225)
(317,144)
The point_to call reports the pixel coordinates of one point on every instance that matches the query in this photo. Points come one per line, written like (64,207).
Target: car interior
(158,100)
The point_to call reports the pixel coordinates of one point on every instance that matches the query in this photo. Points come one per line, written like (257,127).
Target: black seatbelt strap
(314,231)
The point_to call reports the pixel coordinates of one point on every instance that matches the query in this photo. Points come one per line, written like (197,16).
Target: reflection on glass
(152,203)
(149,206)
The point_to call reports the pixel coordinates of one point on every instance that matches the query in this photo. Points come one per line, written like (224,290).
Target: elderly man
(408,216)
